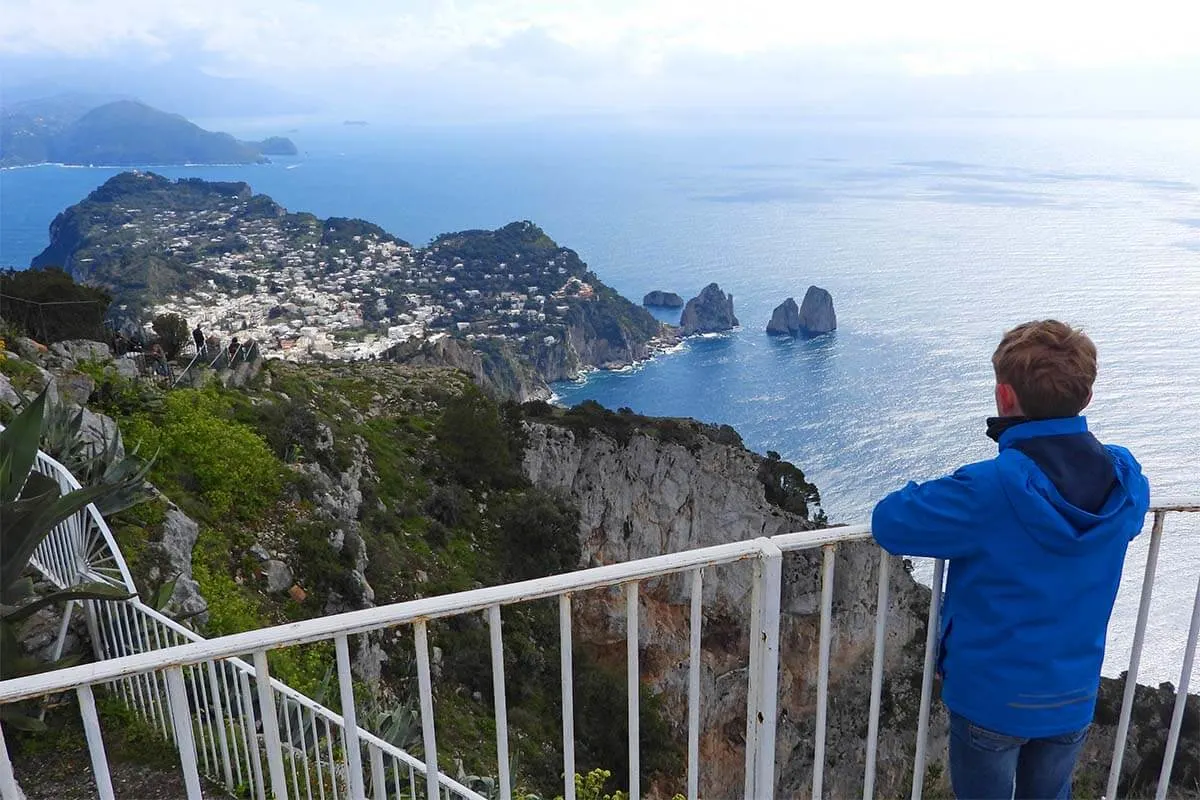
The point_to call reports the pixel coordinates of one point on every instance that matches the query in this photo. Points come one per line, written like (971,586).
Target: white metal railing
(167,681)
(236,711)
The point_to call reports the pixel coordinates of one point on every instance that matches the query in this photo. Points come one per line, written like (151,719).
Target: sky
(639,59)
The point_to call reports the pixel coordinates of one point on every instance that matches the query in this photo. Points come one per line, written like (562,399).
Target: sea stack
(785,320)
(662,299)
(710,312)
(816,312)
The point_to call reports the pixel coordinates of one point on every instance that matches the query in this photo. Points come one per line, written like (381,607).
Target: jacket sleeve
(937,519)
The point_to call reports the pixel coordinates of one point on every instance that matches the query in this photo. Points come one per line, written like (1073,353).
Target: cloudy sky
(479,59)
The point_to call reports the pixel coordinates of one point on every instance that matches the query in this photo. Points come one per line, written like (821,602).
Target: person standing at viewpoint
(1035,540)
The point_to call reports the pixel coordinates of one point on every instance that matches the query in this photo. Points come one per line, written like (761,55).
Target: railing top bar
(809,540)
(355,622)
(1181,504)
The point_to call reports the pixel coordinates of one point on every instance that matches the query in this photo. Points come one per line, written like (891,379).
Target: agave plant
(32,505)
(95,464)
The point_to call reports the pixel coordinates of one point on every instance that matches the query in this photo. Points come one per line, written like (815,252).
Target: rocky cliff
(709,312)
(642,494)
(496,368)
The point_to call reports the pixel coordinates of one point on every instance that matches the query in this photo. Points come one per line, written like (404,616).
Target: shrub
(539,534)
(23,375)
(75,311)
(478,445)
(172,332)
(786,487)
(201,448)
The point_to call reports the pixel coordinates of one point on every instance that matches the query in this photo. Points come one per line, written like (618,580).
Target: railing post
(1181,696)
(633,687)
(270,726)
(8,781)
(222,734)
(249,731)
(350,717)
(566,671)
(95,742)
(763,691)
(425,685)
(1135,655)
(496,637)
(881,609)
(932,641)
(694,631)
(181,718)
(825,641)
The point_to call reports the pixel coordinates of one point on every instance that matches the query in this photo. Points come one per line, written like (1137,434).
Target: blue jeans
(985,765)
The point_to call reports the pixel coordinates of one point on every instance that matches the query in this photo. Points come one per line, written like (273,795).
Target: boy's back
(1036,540)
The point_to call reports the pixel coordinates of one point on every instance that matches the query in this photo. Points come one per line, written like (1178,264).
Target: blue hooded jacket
(1036,541)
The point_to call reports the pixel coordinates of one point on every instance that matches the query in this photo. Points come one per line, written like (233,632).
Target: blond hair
(1050,366)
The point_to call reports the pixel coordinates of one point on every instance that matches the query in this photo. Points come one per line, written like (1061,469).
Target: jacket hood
(1065,449)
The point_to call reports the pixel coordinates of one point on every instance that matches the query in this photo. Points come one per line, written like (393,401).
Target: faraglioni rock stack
(816,312)
(710,312)
(662,299)
(814,317)
(785,320)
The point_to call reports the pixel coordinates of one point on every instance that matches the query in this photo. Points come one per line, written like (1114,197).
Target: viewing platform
(236,727)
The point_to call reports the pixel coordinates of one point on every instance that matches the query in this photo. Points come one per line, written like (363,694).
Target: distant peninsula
(510,306)
(120,133)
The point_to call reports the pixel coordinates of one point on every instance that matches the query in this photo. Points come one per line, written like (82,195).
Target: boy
(1036,541)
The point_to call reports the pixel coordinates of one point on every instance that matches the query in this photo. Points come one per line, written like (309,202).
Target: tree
(47,305)
(172,332)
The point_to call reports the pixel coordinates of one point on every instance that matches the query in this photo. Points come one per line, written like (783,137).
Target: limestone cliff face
(646,497)
(502,373)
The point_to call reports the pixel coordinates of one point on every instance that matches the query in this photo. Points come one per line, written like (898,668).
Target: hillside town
(306,288)
(237,265)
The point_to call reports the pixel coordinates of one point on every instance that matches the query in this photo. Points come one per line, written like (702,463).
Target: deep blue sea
(933,238)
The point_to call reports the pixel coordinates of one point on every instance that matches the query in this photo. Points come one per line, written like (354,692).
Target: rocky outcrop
(74,351)
(816,312)
(645,497)
(709,312)
(662,299)
(501,372)
(785,320)
(171,558)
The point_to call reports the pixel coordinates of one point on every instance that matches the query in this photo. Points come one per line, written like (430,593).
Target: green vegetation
(22,375)
(444,507)
(172,333)
(46,305)
(787,488)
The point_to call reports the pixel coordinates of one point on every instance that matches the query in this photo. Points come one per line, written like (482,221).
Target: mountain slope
(120,133)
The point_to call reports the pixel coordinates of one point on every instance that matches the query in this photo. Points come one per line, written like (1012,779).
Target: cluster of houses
(304,289)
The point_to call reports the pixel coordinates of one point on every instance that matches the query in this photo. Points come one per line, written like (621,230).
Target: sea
(933,236)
